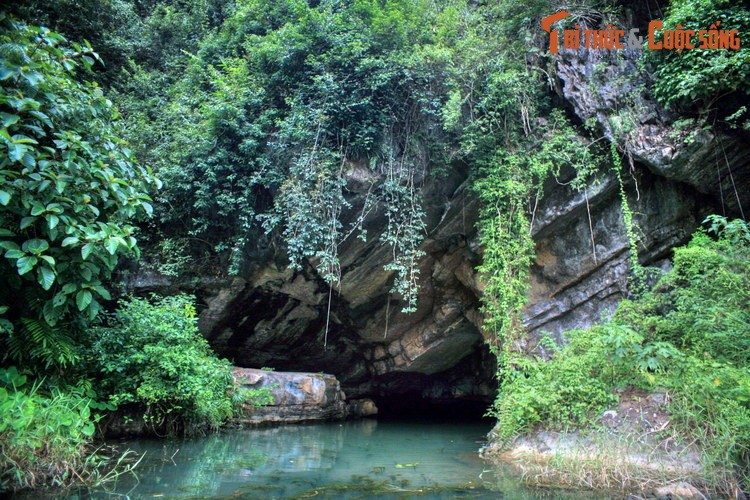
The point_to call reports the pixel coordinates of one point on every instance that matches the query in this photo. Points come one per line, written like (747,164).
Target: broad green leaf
(70,241)
(35,246)
(49,260)
(8,119)
(29,161)
(14,254)
(37,209)
(45,277)
(147,207)
(86,250)
(111,245)
(26,222)
(4,198)
(103,292)
(23,139)
(25,104)
(94,309)
(41,116)
(59,299)
(26,264)
(50,313)
(83,299)
(5,73)
(4,233)
(53,221)
(86,273)
(16,151)
(9,245)
(69,288)
(33,78)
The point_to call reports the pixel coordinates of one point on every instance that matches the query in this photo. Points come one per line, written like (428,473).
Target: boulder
(297,397)
(362,408)
(679,490)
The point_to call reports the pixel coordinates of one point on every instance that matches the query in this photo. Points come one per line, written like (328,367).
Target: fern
(38,342)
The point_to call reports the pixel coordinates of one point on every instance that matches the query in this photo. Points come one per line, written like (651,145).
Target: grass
(629,463)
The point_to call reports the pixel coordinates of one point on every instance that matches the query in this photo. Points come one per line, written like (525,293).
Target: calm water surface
(359,459)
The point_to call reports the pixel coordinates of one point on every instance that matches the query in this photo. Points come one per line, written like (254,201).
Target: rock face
(677,176)
(607,86)
(275,317)
(272,316)
(581,268)
(298,397)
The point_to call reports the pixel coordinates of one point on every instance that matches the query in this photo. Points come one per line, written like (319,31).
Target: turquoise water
(359,459)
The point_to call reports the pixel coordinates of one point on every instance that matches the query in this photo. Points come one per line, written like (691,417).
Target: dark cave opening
(412,405)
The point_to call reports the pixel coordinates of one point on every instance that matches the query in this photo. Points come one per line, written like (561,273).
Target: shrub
(42,436)
(151,355)
(69,188)
(702,76)
(689,335)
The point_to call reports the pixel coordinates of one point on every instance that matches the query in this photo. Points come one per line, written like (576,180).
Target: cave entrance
(413,406)
(459,395)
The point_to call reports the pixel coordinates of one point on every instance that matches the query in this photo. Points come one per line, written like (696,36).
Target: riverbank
(631,449)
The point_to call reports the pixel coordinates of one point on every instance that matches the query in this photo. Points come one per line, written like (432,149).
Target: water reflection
(361,459)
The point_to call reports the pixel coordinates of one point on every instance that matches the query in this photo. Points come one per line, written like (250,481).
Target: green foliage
(636,281)
(711,404)
(703,305)
(264,119)
(404,233)
(688,335)
(69,189)
(578,382)
(262,396)
(43,434)
(699,77)
(34,340)
(151,355)
(509,185)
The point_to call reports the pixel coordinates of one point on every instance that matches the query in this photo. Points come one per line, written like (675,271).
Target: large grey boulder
(297,397)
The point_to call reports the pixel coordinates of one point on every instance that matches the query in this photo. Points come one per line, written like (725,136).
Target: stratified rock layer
(275,317)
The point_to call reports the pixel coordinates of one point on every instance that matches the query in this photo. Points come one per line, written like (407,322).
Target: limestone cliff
(273,316)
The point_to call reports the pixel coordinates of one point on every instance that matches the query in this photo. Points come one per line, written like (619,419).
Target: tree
(69,190)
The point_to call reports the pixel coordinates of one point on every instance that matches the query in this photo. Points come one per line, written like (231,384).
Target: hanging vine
(405,231)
